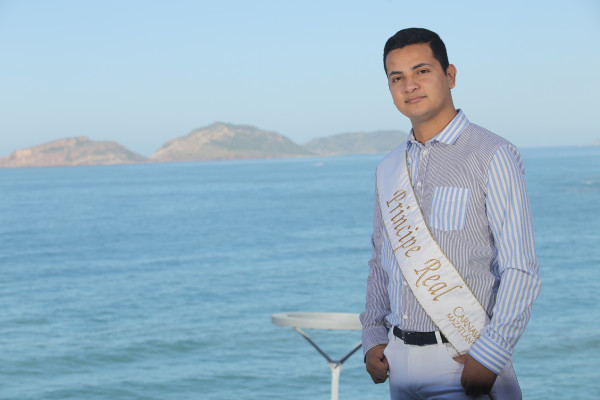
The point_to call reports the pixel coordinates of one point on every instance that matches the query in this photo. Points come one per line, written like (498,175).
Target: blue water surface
(158,281)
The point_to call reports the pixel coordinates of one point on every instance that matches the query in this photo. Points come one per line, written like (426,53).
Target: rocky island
(221,141)
(379,142)
(71,151)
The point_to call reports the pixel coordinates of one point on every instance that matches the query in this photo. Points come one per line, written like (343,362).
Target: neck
(425,130)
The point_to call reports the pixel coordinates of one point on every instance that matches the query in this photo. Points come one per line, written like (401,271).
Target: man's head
(409,36)
(419,82)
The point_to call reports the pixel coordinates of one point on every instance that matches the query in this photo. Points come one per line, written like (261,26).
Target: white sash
(434,281)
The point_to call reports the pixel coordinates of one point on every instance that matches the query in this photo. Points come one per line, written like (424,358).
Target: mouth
(414,100)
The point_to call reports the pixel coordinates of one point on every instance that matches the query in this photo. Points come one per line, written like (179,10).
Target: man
(446,303)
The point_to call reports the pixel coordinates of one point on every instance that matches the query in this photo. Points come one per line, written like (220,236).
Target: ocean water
(159,281)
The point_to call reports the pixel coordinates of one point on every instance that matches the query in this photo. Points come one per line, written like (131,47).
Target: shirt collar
(450,133)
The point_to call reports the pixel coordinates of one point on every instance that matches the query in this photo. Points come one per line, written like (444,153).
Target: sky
(144,72)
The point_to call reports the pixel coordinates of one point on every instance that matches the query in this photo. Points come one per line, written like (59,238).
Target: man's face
(419,86)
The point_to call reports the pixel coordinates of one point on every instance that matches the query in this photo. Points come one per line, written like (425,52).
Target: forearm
(517,291)
(377,304)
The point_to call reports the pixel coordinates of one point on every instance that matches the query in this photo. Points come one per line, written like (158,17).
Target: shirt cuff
(373,336)
(490,354)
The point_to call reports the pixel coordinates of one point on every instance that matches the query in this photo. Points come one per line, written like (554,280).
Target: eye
(423,71)
(396,79)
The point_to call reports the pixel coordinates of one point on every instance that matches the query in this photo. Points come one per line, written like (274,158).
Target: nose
(410,84)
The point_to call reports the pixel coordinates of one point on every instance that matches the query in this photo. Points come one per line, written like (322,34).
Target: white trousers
(429,372)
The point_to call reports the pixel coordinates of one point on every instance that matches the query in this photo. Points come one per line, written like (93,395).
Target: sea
(159,281)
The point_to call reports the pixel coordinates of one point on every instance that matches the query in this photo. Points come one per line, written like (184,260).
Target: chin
(416,116)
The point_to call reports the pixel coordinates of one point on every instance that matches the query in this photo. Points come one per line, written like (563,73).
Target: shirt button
(425,151)
(419,184)
(405,316)
(404,282)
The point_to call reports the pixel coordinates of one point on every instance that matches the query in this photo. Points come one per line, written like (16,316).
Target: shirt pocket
(449,208)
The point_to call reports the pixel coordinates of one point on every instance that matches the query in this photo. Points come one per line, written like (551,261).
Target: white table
(320,320)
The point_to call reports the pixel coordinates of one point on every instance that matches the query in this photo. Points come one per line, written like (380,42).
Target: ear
(451,74)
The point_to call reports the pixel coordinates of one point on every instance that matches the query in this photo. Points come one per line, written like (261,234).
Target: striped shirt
(471,187)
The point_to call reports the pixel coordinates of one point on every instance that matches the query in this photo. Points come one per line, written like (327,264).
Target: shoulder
(499,154)
(483,137)
(486,146)
(394,155)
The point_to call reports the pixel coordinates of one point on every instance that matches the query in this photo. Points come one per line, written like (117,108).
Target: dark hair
(409,36)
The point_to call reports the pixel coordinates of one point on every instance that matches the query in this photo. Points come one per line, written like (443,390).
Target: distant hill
(221,141)
(70,152)
(596,143)
(356,143)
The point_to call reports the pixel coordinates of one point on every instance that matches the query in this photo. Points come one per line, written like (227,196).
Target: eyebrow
(413,68)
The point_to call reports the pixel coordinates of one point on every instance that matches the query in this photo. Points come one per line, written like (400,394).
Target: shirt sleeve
(377,306)
(509,216)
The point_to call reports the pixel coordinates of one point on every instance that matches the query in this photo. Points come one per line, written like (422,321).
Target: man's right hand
(377,365)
